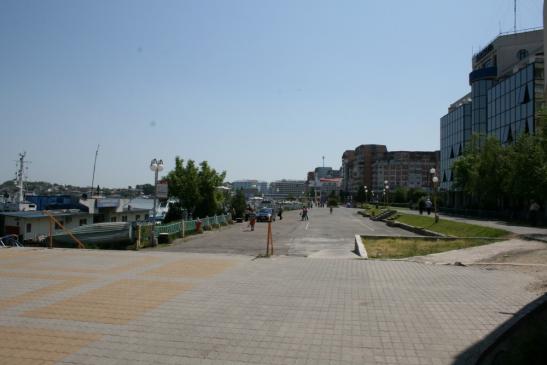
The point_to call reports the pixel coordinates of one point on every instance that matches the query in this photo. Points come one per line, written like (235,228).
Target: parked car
(265,214)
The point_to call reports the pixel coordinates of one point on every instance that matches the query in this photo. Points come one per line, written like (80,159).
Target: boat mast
(94,165)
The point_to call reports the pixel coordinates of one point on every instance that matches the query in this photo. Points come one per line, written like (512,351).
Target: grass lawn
(396,248)
(451,228)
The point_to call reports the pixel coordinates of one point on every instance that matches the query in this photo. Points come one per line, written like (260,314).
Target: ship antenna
(94,165)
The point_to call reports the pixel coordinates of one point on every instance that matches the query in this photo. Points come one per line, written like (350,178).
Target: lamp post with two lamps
(434,182)
(386,192)
(156,166)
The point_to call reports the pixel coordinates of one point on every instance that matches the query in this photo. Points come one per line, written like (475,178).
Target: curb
(418,230)
(534,237)
(360,247)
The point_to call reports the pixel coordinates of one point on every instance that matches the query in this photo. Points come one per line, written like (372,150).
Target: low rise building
(35,225)
(113,210)
(283,189)
(330,186)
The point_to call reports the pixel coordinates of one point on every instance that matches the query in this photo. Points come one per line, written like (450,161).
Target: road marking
(307,225)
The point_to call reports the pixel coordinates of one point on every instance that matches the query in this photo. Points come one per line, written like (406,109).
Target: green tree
(400,195)
(361,196)
(528,178)
(332,200)
(195,188)
(174,213)
(147,189)
(211,197)
(482,171)
(238,203)
(415,194)
(493,174)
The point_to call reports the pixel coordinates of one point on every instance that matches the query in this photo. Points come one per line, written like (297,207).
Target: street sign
(162,190)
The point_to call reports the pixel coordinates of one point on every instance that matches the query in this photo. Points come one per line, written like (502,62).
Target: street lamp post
(386,192)
(434,181)
(156,166)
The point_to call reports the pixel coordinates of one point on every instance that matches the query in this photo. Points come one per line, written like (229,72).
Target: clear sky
(261,89)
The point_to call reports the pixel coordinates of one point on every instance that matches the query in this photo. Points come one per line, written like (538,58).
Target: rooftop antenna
(515,16)
(323,161)
(94,165)
(20,177)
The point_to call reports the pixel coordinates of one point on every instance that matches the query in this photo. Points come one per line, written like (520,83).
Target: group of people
(427,205)
(251,216)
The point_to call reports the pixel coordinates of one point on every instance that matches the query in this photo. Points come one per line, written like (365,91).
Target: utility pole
(323,161)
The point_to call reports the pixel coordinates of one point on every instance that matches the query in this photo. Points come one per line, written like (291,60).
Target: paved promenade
(324,235)
(111,307)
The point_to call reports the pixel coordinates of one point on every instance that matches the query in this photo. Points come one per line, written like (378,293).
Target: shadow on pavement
(520,340)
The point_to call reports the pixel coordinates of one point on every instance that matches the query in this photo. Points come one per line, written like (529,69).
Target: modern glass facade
(456,130)
(512,103)
(507,92)
(479,91)
(506,110)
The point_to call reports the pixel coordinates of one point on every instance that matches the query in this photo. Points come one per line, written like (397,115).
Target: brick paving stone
(98,307)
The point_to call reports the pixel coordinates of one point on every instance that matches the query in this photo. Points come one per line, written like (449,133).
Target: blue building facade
(507,83)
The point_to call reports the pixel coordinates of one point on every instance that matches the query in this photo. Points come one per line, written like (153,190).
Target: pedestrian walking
(533,212)
(428,205)
(280,213)
(421,206)
(304,214)
(252,219)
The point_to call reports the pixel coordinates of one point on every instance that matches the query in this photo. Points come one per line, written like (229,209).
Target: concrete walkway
(324,235)
(108,307)
(473,255)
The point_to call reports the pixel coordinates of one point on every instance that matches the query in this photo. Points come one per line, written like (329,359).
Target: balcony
(487,73)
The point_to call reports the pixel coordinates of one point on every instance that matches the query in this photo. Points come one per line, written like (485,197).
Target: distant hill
(46,188)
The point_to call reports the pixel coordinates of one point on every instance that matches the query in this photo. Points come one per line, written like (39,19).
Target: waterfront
(142,203)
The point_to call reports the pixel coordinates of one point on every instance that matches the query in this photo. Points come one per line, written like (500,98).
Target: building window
(522,54)
(83,222)
(113,219)
(124,218)
(29,227)
(57,226)
(68,220)
(137,217)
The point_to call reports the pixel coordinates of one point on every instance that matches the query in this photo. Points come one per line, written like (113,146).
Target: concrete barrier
(360,247)
(417,230)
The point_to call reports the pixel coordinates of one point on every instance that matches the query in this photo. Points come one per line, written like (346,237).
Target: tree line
(497,176)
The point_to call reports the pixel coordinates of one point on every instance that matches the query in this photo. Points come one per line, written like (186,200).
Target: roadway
(322,236)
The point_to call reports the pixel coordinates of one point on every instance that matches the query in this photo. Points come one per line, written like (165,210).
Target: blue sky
(261,89)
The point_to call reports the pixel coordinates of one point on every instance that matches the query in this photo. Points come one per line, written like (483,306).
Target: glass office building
(455,132)
(513,103)
(507,84)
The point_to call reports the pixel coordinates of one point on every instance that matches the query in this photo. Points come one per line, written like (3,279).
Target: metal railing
(178,229)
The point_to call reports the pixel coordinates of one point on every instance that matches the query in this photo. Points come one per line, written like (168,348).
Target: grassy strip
(397,248)
(373,211)
(451,228)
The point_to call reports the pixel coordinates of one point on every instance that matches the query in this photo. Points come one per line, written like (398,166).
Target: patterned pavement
(120,307)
